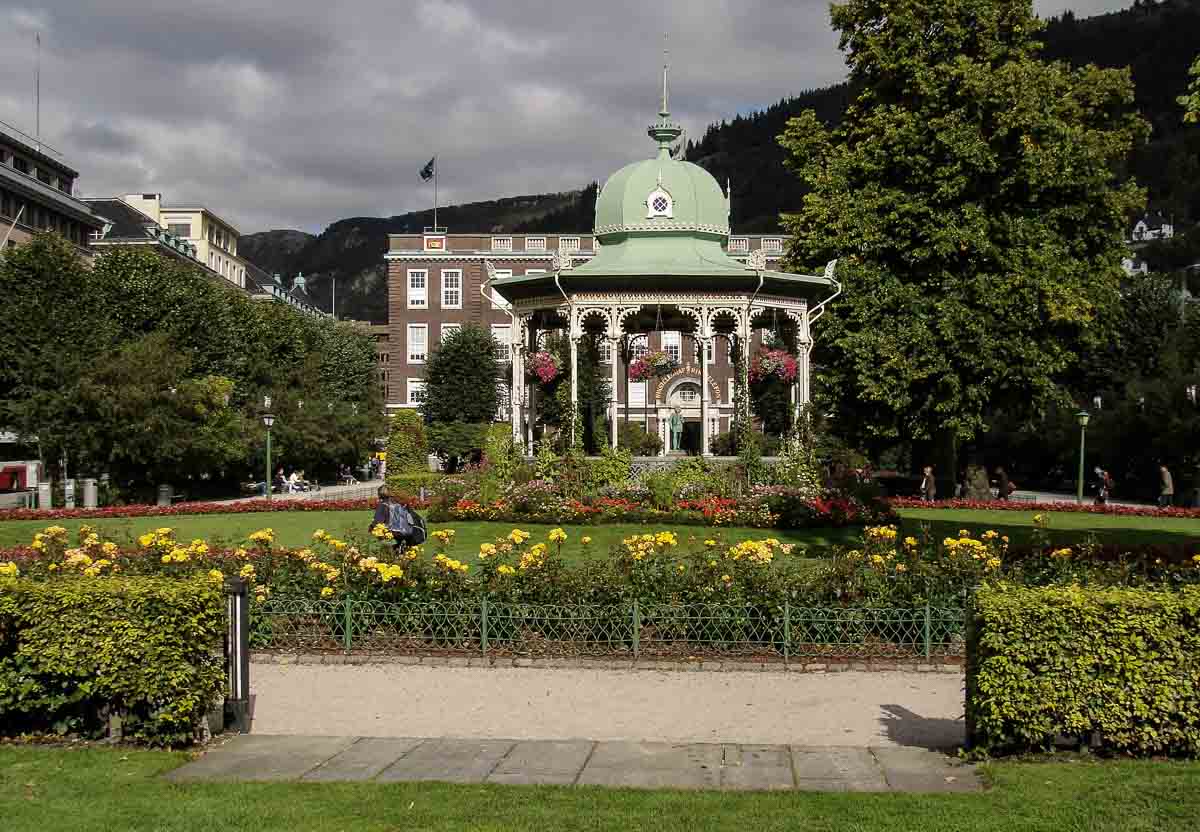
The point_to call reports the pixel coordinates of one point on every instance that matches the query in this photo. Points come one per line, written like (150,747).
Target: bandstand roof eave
(518,287)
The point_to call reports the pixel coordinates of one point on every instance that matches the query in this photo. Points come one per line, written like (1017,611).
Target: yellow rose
(585,540)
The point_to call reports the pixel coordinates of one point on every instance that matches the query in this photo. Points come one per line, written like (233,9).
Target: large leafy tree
(1191,101)
(462,378)
(973,193)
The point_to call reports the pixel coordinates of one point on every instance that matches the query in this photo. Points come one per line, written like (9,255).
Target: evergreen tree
(462,378)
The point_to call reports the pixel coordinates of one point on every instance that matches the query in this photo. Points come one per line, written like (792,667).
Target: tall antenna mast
(37,88)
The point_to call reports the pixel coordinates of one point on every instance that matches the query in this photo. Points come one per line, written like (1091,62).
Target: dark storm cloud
(295,114)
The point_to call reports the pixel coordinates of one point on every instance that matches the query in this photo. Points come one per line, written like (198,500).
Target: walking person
(928,484)
(1004,486)
(1103,485)
(1166,491)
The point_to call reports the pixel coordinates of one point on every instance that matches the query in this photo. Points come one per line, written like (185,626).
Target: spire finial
(666,67)
(664,131)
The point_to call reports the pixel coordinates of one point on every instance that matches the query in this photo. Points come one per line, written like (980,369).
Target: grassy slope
(44,790)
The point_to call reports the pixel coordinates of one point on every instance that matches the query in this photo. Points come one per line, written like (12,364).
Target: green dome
(662,195)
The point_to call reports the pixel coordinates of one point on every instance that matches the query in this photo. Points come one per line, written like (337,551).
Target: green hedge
(75,651)
(407,448)
(1117,667)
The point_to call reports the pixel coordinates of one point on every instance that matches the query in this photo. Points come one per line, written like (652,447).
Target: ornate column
(615,378)
(531,410)
(702,343)
(517,389)
(574,335)
(804,348)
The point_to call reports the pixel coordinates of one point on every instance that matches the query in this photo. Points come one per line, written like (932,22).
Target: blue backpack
(405,525)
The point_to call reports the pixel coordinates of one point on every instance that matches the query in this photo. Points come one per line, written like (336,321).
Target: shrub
(457,442)
(633,437)
(146,649)
(499,452)
(610,469)
(411,484)
(1121,666)
(407,448)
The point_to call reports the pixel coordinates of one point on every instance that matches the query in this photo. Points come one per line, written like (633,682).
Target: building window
(212,261)
(772,245)
(671,344)
(180,229)
(659,204)
(418,343)
(535,271)
(535,243)
(738,245)
(710,351)
(448,328)
(503,335)
(604,347)
(568,244)
(416,288)
(689,394)
(416,391)
(20,164)
(452,288)
(641,346)
(637,394)
(502,244)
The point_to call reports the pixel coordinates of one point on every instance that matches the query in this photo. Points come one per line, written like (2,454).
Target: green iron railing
(634,629)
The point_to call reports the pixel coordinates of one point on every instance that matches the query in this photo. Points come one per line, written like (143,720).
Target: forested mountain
(1157,40)
(351,250)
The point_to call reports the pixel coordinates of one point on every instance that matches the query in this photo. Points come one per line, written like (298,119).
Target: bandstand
(661,231)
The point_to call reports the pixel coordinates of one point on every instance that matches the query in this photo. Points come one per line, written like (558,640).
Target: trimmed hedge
(74,651)
(407,448)
(1119,668)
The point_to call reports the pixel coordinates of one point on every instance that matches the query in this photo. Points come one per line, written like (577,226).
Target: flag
(427,171)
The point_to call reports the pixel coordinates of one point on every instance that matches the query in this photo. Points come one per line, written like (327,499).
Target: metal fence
(634,630)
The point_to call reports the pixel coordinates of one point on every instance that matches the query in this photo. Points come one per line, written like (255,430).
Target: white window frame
(413,391)
(447,328)
(535,271)
(502,244)
(605,349)
(457,275)
(739,245)
(535,243)
(418,299)
(772,245)
(568,244)
(668,209)
(637,394)
(421,356)
(730,390)
(710,351)
(503,334)
(696,393)
(672,344)
(640,347)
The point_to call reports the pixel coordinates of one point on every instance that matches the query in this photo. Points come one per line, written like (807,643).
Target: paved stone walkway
(266,757)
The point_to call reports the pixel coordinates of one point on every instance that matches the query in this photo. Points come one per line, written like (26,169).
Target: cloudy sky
(295,114)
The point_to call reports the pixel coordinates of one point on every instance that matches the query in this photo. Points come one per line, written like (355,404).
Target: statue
(676,430)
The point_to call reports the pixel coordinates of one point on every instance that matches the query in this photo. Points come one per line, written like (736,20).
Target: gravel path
(843,709)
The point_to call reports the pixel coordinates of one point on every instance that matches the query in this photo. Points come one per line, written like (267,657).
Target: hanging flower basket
(545,366)
(652,365)
(779,364)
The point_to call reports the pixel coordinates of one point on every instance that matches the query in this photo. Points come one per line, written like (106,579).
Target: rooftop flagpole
(435,194)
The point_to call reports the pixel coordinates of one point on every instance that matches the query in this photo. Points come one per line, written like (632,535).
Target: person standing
(928,484)
(1166,491)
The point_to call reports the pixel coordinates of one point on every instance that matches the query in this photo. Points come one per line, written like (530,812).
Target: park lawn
(1064,527)
(294,529)
(43,790)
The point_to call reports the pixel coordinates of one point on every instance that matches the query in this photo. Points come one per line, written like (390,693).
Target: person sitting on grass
(406,526)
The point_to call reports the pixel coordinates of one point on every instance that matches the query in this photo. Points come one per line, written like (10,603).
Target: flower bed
(183,509)
(1020,505)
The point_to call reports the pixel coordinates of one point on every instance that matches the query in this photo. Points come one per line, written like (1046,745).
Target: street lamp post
(268,420)
(1083,417)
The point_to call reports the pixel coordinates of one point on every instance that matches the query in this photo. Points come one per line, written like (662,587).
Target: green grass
(43,790)
(1064,526)
(295,528)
